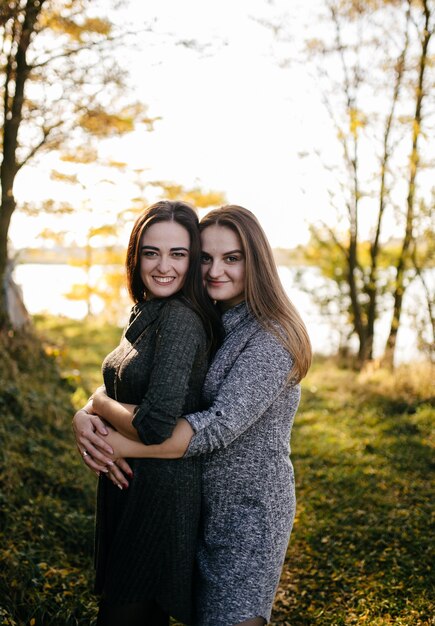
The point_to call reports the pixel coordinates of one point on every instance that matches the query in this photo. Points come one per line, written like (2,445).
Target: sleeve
(180,336)
(255,380)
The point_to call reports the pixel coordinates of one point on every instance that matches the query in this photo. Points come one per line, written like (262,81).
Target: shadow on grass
(360,552)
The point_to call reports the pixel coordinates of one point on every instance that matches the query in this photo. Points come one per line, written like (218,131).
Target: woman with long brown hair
(146,529)
(252,393)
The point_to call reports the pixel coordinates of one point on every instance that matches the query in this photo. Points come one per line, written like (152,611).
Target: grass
(361,548)
(47,500)
(79,350)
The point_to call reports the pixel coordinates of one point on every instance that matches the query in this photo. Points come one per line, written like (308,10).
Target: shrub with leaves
(46,496)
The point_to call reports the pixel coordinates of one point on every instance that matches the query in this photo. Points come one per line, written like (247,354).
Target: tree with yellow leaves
(60,85)
(374,65)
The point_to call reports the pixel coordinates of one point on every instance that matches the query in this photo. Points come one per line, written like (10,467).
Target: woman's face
(164,258)
(223,265)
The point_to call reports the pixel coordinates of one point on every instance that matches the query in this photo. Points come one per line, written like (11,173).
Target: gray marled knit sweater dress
(247,482)
(146,534)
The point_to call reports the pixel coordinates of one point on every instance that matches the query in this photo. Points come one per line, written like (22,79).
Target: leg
(133,614)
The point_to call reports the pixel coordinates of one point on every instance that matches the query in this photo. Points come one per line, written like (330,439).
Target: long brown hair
(264,293)
(193,289)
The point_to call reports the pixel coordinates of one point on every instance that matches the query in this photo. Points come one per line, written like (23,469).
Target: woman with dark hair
(252,393)
(146,529)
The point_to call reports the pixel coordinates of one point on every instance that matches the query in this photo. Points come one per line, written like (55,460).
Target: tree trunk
(7,208)
(429,302)
(372,288)
(414,163)
(355,304)
(353,263)
(18,314)
(350,144)
(16,73)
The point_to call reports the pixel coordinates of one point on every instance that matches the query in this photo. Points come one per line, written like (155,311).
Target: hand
(117,473)
(90,433)
(119,468)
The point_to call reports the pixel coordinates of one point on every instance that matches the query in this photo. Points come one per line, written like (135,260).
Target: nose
(164,264)
(214,270)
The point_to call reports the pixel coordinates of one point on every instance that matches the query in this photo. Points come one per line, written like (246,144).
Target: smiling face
(164,258)
(223,265)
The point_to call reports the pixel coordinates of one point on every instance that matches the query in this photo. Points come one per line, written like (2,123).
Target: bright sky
(232,119)
(241,115)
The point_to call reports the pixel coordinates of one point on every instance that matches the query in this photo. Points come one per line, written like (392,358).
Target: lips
(217,283)
(163,280)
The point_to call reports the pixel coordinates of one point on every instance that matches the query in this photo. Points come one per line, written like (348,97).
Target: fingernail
(125,486)
(119,486)
(131,474)
(105,470)
(98,474)
(109,450)
(110,463)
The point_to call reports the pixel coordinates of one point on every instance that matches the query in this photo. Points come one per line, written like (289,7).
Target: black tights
(144,614)
(134,614)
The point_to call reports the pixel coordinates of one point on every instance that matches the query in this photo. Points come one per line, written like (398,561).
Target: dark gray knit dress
(247,483)
(146,534)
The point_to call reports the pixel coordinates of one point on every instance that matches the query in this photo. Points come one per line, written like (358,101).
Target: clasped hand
(99,445)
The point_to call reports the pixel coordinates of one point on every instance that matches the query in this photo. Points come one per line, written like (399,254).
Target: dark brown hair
(192,290)
(264,293)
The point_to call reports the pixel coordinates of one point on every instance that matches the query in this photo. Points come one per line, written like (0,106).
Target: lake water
(44,287)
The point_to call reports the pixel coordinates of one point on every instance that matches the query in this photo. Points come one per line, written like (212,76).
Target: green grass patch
(79,349)
(361,549)
(46,496)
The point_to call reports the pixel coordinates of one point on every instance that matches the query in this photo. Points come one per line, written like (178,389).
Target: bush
(46,524)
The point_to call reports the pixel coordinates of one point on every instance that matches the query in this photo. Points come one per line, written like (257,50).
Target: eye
(149,253)
(231,259)
(205,258)
(179,255)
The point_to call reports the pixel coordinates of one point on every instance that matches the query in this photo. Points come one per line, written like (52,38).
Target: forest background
(84,151)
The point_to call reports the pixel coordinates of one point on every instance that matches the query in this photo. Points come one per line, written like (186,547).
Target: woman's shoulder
(269,336)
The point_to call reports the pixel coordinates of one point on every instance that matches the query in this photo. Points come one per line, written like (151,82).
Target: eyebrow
(225,253)
(232,252)
(157,249)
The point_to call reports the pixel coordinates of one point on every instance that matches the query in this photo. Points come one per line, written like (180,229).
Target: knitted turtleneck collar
(234,316)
